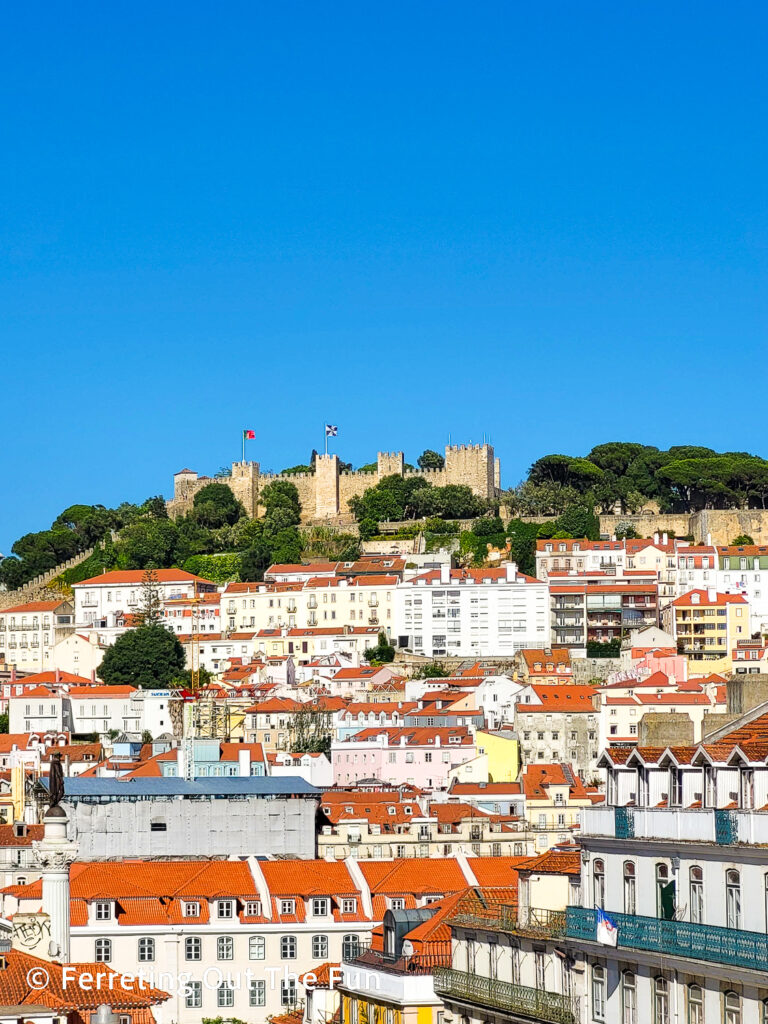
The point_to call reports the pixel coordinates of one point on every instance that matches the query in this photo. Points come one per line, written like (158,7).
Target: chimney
(244,763)
(445,574)
(511,570)
(656,537)
(93,676)
(711,595)
(665,537)
(58,675)
(13,673)
(709,539)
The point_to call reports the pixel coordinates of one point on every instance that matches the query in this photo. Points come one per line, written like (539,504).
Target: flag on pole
(249,435)
(607,932)
(331,431)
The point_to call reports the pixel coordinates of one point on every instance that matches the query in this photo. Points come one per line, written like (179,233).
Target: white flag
(607,932)
(330,430)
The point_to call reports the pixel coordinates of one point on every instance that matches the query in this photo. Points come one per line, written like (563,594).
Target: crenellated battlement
(326,493)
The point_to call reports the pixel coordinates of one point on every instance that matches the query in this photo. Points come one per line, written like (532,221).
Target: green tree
(433,670)
(147,543)
(215,505)
(383,652)
(146,657)
(579,521)
(4,722)
(368,528)
(255,561)
(150,603)
(146,736)
(604,649)
(430,460)
(311,731)
(742,540)
(563,469)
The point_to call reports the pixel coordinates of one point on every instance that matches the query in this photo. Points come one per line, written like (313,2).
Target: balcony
(676,938)
(471,912)
(678,824)
(534,1003)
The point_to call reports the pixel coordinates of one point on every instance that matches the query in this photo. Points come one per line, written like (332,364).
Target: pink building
(418,756)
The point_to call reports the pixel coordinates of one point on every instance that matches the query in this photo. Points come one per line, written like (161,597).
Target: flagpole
(325,431)
(243,446)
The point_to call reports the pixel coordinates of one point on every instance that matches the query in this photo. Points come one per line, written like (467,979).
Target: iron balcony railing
(437,955)
(536,1003)
(504,917)
(676,938)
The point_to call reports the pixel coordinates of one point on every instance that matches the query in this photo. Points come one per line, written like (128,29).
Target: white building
(105,602)
(732,569)
(30,632)
(472,612)
(315,768)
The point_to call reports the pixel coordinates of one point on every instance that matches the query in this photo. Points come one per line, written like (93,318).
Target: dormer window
(320,907)
(253,908)
(103,912)
(225,909)
(349,906)
(288,907)
(192,909)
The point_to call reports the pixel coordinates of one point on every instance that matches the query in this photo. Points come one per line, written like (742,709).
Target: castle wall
(719,525)
(325,494)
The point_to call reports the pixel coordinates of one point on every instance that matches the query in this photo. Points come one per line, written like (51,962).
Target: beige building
(707,626)
(29,633)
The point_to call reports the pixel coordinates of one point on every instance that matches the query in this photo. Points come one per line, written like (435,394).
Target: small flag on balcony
(249,435)
(607,932)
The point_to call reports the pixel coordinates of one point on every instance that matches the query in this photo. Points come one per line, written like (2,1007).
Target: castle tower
(473,465)
(390,464)
(54,854)
(326,486)
(244,484)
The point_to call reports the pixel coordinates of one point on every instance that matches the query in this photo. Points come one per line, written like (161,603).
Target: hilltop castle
(325,494)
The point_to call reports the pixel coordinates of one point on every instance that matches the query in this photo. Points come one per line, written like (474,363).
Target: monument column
(54,854)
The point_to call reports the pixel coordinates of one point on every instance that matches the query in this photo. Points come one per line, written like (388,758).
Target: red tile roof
(136,576)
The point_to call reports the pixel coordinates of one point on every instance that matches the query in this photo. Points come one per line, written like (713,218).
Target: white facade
(103,601)
(29,633)
(316,769)
(472,613)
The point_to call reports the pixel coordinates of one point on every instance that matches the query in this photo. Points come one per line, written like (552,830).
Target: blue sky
(542,221)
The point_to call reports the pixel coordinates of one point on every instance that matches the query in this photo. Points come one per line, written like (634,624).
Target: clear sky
(545,221)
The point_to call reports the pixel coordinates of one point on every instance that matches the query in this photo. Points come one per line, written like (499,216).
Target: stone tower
(54,854)
(473,465)
(326,486)
(390,464)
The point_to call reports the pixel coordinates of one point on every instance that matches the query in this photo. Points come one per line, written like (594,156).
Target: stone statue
(56,780)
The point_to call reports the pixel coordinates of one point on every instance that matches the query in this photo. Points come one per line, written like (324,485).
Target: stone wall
(326,493)
(40,589)
(719,525)
(665,729)
(586,669)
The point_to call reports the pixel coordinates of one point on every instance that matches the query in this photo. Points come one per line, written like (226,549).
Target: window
(397,902)
(191,910)
(696,888)
(287,906)
(733,899)
(320,947)
(225,995)
(349,906)
(256,947)
(193,992)
(665,893)
(350,947)
(598,883)
(225,908)
(695,999)
(225,948)
(288,947)
(598,993)
(253,908)
(146,950)
(630,891)
(628,997)
(193,948)
(103,951)
(660,1001)
(732,1008)
(288,992)
(103,911)
(319,908)
(257,993)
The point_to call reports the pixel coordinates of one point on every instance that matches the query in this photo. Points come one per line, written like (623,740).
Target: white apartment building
(30,632)
(196,614)
(472,612)
(103,602)
(732,569)
(320,601)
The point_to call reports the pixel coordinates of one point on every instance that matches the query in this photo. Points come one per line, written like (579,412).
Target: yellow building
(707,626)
(503,753)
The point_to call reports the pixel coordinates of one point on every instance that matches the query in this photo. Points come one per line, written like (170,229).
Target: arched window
(350,947)
(731,1008)
(225,947)
(103,951)
(628,998)
(630,891)
(598,992)
(660,1001)
(733,899)
(696,887)
(598,883)
(695,1005)
(256,947)
(288,947)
